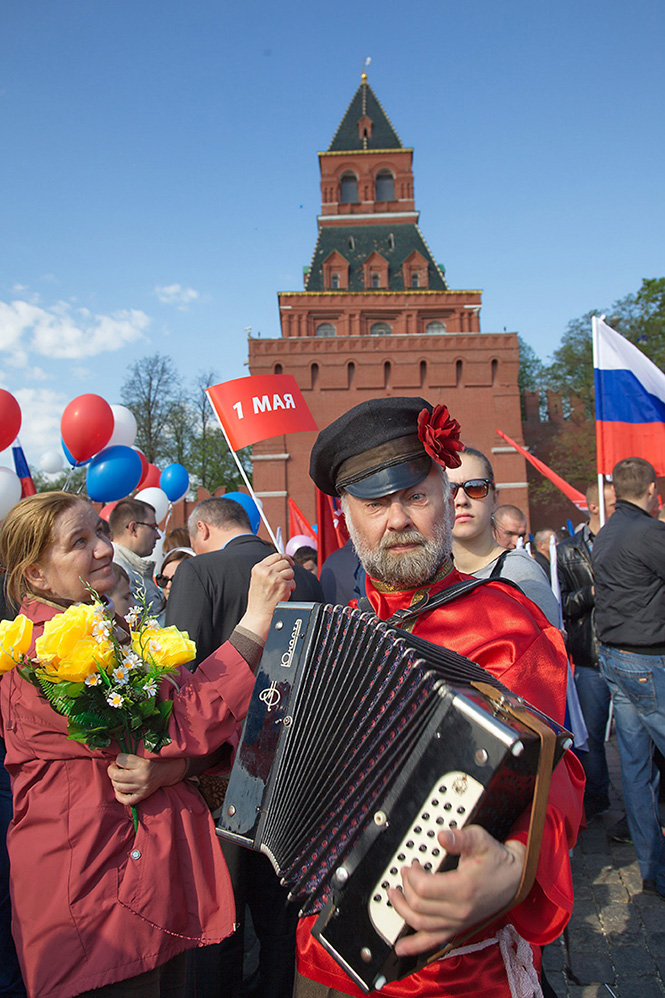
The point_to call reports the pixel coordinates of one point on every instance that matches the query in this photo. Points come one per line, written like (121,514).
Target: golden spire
(363,77)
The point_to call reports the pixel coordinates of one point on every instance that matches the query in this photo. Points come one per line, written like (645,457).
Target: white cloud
(41,409)
(64,332)
(175,294)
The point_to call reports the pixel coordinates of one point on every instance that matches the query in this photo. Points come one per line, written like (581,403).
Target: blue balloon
(249,506)
(70,457)
(113,473)
(174,481)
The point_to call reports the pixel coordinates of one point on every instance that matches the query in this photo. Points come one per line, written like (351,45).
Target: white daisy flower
(115,699)
(93,680)
(120,674)
(131,660)
(150,687)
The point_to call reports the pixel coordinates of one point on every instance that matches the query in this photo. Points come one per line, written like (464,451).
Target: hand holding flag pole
(257,408)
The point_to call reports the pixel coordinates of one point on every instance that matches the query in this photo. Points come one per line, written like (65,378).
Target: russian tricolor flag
(22,470)
(630,401)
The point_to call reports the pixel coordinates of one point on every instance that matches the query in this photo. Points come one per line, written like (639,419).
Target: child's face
(122,597)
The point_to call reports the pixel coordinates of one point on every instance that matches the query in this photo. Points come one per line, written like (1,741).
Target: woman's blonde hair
(27,531)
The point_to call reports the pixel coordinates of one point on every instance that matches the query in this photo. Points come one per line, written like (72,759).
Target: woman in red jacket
(97,908)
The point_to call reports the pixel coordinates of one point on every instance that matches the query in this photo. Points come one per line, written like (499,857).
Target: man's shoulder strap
(426,603)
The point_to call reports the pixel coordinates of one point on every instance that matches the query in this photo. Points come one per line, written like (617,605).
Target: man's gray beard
(404,571)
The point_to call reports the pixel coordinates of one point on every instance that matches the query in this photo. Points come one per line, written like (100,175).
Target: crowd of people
(101,909)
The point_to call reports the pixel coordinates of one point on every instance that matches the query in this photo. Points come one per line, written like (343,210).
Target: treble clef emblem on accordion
(270,696)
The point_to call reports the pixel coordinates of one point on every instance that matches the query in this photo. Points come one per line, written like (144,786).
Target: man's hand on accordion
(441,905)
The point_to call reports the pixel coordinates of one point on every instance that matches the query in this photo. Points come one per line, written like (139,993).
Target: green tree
(153,392)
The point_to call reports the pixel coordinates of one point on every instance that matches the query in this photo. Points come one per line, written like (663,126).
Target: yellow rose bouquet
(106,688)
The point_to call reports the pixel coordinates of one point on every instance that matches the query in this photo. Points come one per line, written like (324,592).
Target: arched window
(380,329)
(423,373)
(350,373)
(435,328)
(385,186)
(325,329)
(387,371)
(495,371)
(348,189)
(314,371)
(278,369)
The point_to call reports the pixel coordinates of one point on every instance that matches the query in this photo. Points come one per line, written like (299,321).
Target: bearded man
(386,458)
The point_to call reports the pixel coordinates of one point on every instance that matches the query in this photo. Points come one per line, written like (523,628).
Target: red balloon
(86,426)
(10,419)
(144,466)
(106,510)
(151,478)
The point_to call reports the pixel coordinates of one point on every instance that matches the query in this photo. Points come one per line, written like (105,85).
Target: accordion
(362,742)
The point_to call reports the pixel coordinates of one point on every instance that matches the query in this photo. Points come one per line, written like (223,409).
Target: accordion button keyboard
(420,839)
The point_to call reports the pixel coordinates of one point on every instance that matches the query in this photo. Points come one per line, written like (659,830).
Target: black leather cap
(372,450)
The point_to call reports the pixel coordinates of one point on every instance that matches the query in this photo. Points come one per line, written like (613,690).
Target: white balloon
(10,490)
(157,498)
(51,462)
(124,430)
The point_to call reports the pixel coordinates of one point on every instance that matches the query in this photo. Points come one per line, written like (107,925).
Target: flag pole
(259,505)
(600,475)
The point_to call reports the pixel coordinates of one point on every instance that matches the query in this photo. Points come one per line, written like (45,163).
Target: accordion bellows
(362,742)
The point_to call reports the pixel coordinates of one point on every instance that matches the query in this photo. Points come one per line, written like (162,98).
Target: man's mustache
(404,537)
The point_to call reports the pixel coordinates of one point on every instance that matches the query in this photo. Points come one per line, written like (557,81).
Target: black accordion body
(361,743)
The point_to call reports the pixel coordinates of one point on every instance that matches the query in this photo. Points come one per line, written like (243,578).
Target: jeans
(637,683)
(594,696)
(11,985)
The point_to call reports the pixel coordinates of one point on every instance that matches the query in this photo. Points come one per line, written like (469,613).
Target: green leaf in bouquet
(165,707)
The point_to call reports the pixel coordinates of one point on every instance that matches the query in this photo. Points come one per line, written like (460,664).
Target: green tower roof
(364,104)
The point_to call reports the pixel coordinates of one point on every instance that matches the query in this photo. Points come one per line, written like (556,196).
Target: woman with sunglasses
(165,576)
(475,550)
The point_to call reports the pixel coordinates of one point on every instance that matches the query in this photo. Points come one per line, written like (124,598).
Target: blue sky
(160,179)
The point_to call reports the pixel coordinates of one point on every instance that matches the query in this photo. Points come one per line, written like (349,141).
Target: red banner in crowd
(331,525)
(569,491)
(256,408)
(298,524)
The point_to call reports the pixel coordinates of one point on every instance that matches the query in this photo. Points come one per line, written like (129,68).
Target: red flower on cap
(439,434)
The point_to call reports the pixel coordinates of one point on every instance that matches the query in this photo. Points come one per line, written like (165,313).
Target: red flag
(256,408)
(298,524)
(332,531)
(568,490)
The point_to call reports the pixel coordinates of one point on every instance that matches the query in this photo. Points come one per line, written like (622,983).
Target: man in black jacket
(629,569)
(577,604)
(208,597)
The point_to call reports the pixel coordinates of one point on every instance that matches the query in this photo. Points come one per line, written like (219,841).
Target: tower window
(415,280)
(435,328)
(376,280)
(385,186)
(352,243)
(348,189)
(325,329)
(391,241)
(380,329)
(334,281)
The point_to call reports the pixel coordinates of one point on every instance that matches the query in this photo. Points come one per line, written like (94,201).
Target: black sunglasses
(475,488)
(163,580)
